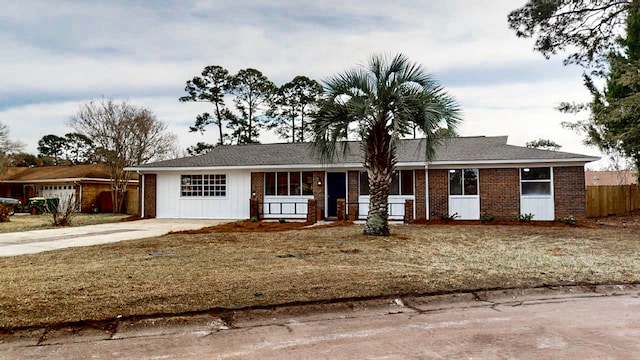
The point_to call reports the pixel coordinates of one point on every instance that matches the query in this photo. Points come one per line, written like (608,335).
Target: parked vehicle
(13,203)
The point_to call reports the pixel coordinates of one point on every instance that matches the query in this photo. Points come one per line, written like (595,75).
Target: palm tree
(380,103)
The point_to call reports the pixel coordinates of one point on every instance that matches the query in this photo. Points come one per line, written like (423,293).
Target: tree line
(603,37)
(258,103)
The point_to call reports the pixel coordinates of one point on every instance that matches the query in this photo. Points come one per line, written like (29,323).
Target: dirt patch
(624,221)
(261,226)
(490,223)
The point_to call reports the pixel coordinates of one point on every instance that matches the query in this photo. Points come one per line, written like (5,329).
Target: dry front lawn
(26,222)
(184,273)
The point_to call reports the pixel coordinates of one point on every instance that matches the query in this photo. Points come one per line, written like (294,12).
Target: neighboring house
(90,184)
(469,176)
(620,177)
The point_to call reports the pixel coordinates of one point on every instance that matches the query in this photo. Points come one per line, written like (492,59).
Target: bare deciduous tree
(124,135)
(7,147)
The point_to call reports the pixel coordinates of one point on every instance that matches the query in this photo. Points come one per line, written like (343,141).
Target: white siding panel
(167,194)
(540,206)
(467,206)
(235,205)
(396,206)
(286,207)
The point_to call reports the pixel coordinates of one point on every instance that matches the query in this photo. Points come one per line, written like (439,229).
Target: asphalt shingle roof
(458,149)
(93,171)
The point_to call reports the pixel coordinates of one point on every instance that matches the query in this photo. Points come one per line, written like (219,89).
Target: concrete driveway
(30,242)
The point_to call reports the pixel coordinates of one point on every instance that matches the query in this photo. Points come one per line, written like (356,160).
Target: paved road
(29,242)
(567,323)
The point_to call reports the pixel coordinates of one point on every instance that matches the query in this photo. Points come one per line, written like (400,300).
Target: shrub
(569,220)
(449,217)
(487,218)
(5,211)
(526,218)
(61,211)
(254,219)
(281,221)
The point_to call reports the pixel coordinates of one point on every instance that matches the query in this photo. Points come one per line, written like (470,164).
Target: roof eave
(512,163)
(33,181)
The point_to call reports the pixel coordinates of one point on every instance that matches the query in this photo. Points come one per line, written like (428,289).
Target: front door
(336,189)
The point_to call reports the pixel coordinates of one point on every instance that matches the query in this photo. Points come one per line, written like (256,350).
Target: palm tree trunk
(379,162)
(378,216)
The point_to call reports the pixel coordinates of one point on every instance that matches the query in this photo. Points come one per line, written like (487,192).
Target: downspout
(426,192)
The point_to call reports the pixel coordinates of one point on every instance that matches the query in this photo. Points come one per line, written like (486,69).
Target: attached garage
(203,194)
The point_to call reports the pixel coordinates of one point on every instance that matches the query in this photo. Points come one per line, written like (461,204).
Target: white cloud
(145,51)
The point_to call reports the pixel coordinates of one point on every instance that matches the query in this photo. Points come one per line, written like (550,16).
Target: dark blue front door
(336,189)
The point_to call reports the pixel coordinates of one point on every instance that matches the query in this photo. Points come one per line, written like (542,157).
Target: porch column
(408,211)
(318,192)
(257,195)
(352,195)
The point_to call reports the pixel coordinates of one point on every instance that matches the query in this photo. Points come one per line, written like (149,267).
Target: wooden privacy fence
(607,200)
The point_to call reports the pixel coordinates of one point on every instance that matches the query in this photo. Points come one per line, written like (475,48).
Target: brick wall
(408,211)
(312,211)
(438,192)
(150,195)
(353,191)
(421,194)
(318,191)
(90,193)
(500,192)
(257,187)
(569,191)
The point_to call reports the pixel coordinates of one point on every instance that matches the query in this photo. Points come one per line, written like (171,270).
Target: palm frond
(390,94)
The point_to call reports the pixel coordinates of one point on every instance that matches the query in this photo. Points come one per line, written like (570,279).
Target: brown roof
(90,171)
(621,177)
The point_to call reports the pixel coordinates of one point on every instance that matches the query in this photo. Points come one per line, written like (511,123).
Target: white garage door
(61,192)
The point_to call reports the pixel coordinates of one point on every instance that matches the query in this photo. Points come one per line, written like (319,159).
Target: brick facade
(569,192)
(318,192)
(499,190)
(340,209)
(408,211)
(438,192)
(257,192)
(421,194)
(91,193)
(353,191)
(312,211)
(500,193)
(150,190)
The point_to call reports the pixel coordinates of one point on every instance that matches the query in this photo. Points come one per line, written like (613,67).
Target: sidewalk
(31,242)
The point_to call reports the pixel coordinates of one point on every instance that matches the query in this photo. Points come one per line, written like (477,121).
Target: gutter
(57,180)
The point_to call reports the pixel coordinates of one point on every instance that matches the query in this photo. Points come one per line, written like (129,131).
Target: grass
(184,273)
(25,222)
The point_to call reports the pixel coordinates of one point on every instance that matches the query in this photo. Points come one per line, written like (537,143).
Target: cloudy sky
(57,55)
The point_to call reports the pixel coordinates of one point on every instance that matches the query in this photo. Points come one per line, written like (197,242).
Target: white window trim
(221,197)
(463,196)
(398,171)
(540,196)
(264,184)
